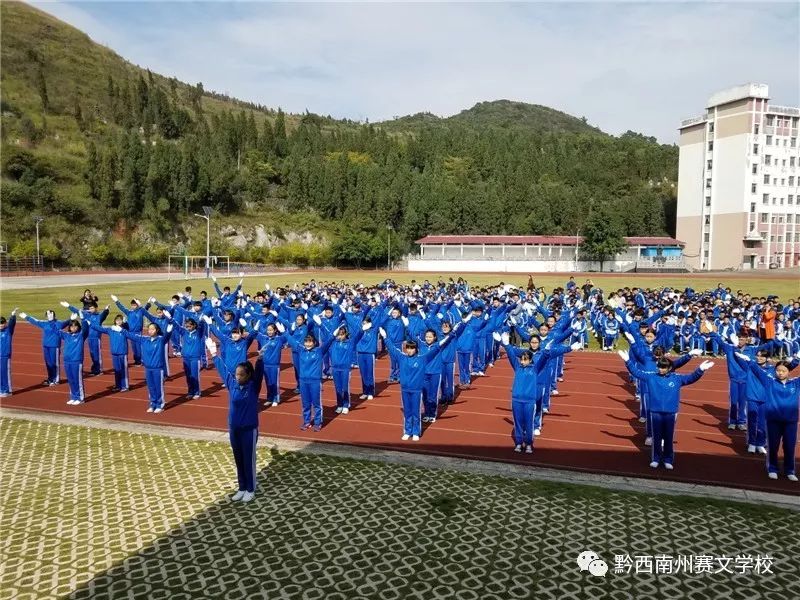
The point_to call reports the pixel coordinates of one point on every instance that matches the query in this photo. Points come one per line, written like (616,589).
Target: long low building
(539,253)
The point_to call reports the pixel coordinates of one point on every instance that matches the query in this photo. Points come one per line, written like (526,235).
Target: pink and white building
(738,183)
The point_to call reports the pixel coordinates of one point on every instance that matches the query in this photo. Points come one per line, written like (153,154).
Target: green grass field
(35,302)
(93,513)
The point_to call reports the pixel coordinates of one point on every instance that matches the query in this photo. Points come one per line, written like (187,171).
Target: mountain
(503,114)
(119,159)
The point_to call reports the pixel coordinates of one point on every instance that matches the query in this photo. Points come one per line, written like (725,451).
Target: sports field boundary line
(473,466)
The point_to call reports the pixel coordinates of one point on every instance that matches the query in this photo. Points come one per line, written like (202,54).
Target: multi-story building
(738,182)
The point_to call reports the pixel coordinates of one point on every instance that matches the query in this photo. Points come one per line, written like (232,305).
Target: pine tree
(279,131)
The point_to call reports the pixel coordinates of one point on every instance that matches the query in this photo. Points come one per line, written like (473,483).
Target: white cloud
(623,66)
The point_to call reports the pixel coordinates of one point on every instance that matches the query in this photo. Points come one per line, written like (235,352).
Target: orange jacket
(768,324)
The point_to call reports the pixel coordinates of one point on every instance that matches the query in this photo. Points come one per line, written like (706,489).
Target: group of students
(427,329)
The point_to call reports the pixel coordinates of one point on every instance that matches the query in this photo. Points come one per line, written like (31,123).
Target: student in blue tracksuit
(366,350)
(94,317)
(135,316)
(6,339)
(341,355)
(243,385)
(309,358)
(119,352)
(193,348)
(154,358)
(51,344)
(271,345)
(74,339)
(782,412)
(448,357)
(395,334)
(412,379)
(524,393)
(664,391)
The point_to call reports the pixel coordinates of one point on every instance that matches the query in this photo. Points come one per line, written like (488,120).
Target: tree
(603,238)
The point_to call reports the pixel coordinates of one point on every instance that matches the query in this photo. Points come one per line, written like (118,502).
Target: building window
(708,165)
(764,235)
(755,129)
(755,149)
(710,146)
(766,179)
(752,207)
(780,218)
(711,127)
(764,217)
(767,159)
(780,239)
(770,121)
(708,183)
(781,201)
(705,254)
(791,198)
(793,142)
(706,237)
(708,220)
(708,201)
(765,198)
(783,180)
(755,169)
(774,219)
(769,140)
(791,180)
(791,161)
(797,237)
(790,218)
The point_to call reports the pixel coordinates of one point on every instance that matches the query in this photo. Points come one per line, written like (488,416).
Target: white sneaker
(345,410)
(648,441)
(362,397)
(731,426)
(150,409)
(537,432)
(431,419)
(70,402)
(772,475)
(668,466)
(528,449)
(751,449)
(405,437)
(338,410)
(274,404)
(248,496)
(196,397)
(654,465)
(369,397)
(238,495)
(158,410)
(792,477)
(761,450)
(414,438)
(741,427)
(642,420)
(425,419)
(545,410)
(561,379)
(554,393)
(518,448)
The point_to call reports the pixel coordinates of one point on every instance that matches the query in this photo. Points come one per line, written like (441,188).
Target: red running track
(592,426)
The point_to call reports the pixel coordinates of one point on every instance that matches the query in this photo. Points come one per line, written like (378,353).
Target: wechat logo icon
(590,561)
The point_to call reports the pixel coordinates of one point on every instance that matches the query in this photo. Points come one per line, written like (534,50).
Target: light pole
(389,247)
(38,220)
(207,217)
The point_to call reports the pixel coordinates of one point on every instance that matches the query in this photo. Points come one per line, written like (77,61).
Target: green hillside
(118,159)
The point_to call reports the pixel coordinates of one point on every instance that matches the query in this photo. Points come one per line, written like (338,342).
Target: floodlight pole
(207,217)
(38,220)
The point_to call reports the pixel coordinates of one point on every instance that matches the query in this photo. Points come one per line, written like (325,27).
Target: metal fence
(25,264)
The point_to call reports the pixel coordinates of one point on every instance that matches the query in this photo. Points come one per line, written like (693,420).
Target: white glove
(114,298)
(457,303)
(629,337)
(64,303)
(280,326)
(241,274)
(22,315)
(797,355)
(166,313)
(421,313)
(439,316)
(486,316)
(497,337)
(14,312)
(169,327)
(744,357)
(207,319)
(137,301)
(381,332)
(116,328)
(179,294)
(242,322)
(618,317)
(266,287)
(404,320)
(576,346)
(214,278)
(317,319)
(629,318)
(734,339)
(706,365)
(696,352)
(151,300)
(215,302)
(366,326)
(293,327)
(106,307)
(212,346)
(623,355)
(257,325)
(274,313)
(505,339)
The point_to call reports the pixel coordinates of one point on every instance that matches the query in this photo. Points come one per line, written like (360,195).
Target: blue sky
(630,65)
